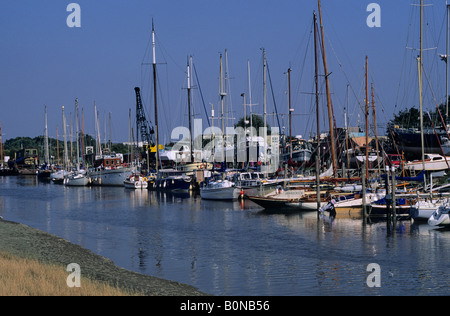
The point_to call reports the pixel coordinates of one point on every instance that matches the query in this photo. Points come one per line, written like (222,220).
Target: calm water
(230,248)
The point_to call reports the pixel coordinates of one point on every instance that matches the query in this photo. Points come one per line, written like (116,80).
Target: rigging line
(164,50)
(273,96)
(343,71)
(401,75)
(389,128)
(437,106)
(304,60)
(201,94)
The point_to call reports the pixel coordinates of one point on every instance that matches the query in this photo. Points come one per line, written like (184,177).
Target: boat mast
(446,61)
(47,159)
(316,65)
(57,145)
(222,94)
(420,69)
(191,159)
(66,158)
(290,111)
(327,85)
(97,136)
(250,102)
(82,138)
(1,146)
(375,127)
(78,135)
(366,114)
(155,98)
(265,109)
(346,131)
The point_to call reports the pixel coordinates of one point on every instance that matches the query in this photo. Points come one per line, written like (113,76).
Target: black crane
(143,126)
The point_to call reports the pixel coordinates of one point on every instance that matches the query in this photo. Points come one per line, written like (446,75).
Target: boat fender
(145,179)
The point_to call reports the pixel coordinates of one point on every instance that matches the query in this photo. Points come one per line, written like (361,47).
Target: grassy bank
(21,245)
(29,277)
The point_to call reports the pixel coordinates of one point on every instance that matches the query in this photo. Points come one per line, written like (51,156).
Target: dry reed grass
(29,277)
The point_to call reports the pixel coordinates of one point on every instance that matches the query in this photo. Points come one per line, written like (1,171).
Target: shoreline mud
(28,242)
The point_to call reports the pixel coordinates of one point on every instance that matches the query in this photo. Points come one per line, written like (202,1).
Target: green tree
(257,122)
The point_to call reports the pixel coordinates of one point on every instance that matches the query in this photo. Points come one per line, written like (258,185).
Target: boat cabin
(109,162)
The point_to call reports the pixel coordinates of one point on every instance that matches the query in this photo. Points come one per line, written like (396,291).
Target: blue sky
(44,62)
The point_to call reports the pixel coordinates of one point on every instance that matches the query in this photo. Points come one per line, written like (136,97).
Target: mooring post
(387,196)
(363,180)
(394,212)
(318,185)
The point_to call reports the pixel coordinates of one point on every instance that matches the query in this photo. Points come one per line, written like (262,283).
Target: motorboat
(79,178)
(219,188)
(172,180)
(249,182)
(440,217)
(135,181)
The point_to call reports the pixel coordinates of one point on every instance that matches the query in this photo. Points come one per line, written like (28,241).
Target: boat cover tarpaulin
(419,178)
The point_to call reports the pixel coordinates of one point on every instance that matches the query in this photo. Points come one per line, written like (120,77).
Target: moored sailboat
(219,189)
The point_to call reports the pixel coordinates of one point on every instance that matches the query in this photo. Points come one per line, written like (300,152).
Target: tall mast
(189,108)
(446,60)
(250,102)
(316,66)
(290,112)
(265,109)
(47,159)
(82,138)
(78,134)
(57,146)
(155,98)
(333,150)
(66,158)
(97,137)
(226,90)
(420,70)
(366,114)
(346,130)
(316,62)
(1,146)
(375,127)
(222,93)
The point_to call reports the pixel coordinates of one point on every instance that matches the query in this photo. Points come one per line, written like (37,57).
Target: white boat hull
(131,184)
(308,205)
(79,180)
(440,217)
(433,162)
(423,210)
(226,193)
(109,177)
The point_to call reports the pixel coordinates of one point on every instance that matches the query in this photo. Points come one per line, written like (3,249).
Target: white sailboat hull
(423,210)
(433,162)
(79,180)
(224,193)
(109,177)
